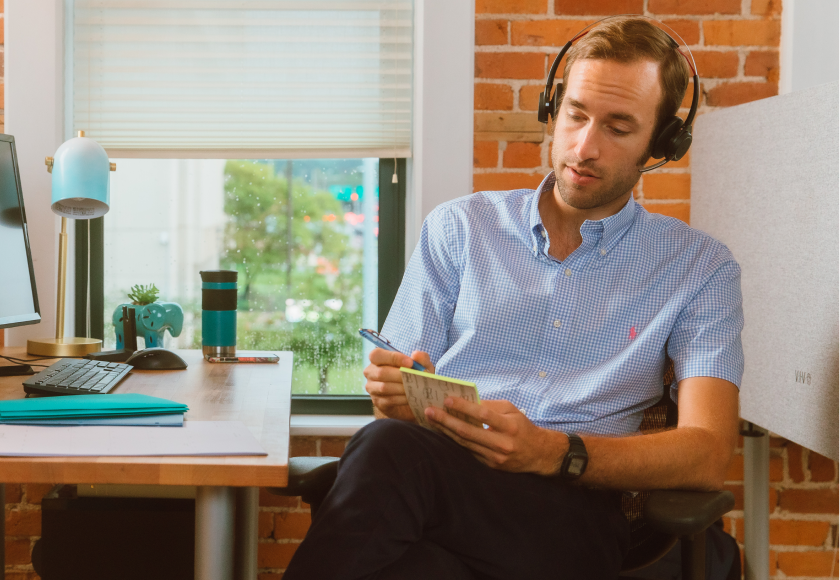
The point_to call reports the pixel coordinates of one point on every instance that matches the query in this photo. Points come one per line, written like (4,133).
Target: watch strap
(576,451)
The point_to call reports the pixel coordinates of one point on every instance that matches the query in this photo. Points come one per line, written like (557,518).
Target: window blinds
(248,78)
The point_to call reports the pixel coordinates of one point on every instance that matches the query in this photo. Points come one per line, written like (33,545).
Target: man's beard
(609,187)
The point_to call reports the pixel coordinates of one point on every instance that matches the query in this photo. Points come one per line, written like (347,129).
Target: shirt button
(535,247)
(568,272)
(603,252)
(557,324)
(542,374)
(543,233)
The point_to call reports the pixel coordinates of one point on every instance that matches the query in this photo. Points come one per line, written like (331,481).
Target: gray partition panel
(764,181)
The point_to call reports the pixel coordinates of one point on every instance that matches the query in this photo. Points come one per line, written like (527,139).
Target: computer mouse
(156,359)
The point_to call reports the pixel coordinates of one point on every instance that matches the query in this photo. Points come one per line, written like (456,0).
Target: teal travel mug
(218,312)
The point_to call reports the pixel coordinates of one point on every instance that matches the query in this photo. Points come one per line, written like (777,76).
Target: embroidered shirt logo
(633,333)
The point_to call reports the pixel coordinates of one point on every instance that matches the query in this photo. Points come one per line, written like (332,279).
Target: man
(563,304)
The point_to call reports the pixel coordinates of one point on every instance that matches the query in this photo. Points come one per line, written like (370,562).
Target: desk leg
(247,513)
(214,516)
(756,498)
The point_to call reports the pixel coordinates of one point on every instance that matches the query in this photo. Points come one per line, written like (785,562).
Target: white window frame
(442,142)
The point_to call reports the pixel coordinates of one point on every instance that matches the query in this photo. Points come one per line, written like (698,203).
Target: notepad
(428,390)
(78,406)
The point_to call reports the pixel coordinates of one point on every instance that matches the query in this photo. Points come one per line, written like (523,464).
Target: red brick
(739,529)
(545,32)
(776,442)
(490,32)
(269,576)
(529,97)
(807,563)
(509,65)
(798,533)
(291,525)
(25,522)
(676,210)
(22,575)
(485,154)
(688,30)
(741,32)
(18,552)
(605,7)
(13,493)
(270,500)
(265,525)
(270,555)
(795,471)
(809,501)
(776,468)
(716,64)
(822,468)
(511,6)
(303,446)
(522,155)
(333,446)
(35,492)
(506,181)
(763,63)
(695,6)
(735,472)
(667,186)
(766,7)
(492,97)
(729,94)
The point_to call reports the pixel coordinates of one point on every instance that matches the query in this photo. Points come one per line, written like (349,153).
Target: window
(208,107)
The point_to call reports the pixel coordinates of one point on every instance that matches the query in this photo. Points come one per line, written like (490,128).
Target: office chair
(657,518)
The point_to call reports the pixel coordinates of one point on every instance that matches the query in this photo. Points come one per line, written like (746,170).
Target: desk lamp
(80,190)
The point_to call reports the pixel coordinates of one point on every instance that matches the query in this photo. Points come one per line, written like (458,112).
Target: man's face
(603,129)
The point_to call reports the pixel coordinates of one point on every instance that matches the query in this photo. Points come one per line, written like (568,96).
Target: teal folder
(77,406)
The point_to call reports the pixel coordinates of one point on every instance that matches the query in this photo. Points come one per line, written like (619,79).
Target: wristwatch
(574,464)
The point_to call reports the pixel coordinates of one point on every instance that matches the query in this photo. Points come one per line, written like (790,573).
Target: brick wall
(735,43)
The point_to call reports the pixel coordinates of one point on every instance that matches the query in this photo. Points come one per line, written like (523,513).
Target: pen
(383,342)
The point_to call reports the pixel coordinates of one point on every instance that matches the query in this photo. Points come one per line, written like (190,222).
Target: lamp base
(58,347)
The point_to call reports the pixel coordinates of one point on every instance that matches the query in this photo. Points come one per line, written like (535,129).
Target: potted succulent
(152,317)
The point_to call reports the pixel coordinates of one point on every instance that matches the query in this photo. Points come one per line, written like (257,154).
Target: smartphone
(383,342)
(244,356)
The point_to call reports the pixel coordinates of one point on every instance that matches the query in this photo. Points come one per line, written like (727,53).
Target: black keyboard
(77,377)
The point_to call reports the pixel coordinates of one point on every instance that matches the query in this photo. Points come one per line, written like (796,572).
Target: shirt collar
(605,232)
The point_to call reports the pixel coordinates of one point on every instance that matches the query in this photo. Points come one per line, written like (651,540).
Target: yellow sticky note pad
(428,390)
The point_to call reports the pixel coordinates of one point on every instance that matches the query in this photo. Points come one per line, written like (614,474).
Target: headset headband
(675,139)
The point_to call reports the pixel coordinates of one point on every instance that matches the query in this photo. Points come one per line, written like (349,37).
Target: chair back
(646,545)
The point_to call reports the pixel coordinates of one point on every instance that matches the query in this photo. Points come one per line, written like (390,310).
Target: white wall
(810,47)
(34,77)
(442,149)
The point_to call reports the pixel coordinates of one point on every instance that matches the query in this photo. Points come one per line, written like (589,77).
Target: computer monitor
(18,297)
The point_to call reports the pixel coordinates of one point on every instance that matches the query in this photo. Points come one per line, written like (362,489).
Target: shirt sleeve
(706,340)
(422,311)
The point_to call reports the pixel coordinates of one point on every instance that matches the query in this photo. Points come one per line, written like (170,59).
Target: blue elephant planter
(152,320)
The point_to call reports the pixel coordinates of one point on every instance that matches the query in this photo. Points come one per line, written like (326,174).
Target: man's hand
(384,381)
(512,442)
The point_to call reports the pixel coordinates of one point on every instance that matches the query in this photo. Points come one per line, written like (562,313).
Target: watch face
(577,465)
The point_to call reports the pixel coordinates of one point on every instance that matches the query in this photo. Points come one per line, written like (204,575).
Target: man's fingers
(380,389)
(381,357)
(483,454)
(424,359)
(492,441)
(482,413)
(383,374)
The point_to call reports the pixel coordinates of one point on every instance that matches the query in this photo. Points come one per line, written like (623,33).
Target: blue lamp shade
(81,186)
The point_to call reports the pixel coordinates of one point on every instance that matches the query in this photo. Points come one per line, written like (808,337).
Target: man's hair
(630,39)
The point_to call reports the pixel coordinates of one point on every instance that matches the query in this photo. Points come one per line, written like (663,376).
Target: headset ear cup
(556,100)
(664,145)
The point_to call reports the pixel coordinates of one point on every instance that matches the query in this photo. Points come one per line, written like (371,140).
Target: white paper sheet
(194,438)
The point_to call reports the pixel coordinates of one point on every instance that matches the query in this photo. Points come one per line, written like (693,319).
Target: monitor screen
(18,298)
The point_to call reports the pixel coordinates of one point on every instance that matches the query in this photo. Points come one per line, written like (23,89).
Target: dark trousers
(410,503)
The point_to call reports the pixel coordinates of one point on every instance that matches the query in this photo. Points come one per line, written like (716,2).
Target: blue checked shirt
(579,345)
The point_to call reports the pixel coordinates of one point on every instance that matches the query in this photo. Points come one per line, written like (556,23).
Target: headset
(674,139)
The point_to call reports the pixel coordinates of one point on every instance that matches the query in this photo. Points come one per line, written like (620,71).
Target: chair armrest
(685,513)
(308,475)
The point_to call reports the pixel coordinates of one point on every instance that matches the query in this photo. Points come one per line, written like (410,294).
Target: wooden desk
(256,394)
